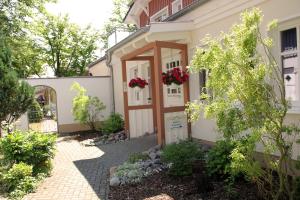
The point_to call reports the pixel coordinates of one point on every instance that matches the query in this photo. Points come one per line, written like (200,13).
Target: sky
(83,12)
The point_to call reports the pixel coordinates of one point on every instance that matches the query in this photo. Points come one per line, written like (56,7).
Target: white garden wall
(95,86)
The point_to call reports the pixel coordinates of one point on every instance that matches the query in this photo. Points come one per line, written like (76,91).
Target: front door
(176,125)
(140,119)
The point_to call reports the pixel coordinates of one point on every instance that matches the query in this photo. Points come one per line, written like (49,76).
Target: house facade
(99,68)
(169,33)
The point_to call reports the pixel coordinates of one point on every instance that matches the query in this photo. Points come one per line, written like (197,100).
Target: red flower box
(137,82)
(175,75)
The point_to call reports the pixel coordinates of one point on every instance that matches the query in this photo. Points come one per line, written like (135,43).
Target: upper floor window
(160,15)
(290,62)
(176,6)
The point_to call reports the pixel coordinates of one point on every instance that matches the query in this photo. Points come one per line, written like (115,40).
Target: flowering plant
(137,82)
(175,75)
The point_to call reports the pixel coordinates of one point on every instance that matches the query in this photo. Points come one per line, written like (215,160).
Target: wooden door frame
(157,105)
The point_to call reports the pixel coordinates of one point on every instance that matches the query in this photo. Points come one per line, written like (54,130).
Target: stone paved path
(81,173)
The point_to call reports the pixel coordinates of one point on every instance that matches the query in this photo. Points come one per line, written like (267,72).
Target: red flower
(175,75)
(137,82)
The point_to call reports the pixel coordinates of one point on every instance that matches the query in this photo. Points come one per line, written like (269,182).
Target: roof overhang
(135,9)
(163,31)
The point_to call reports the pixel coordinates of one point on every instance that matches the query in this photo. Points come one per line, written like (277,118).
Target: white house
(169,33)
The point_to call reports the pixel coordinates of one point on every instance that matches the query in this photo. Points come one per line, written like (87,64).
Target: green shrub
(86,109)
(32,148)
(25,186)
(16,175)
(181,157)
(218,158)
(133,158)
(113,124)
(35,112)
(130,173)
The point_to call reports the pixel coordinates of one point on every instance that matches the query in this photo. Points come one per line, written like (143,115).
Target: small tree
(15,96)
(247,98)
(35,112)
(86,109)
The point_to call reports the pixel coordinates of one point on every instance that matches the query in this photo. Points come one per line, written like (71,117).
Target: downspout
(109,65)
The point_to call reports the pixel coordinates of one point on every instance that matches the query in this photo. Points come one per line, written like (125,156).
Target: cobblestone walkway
(81,173)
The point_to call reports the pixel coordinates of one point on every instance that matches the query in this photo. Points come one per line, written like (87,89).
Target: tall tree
(15,96)
(116,21)
(15,17)
(65,47)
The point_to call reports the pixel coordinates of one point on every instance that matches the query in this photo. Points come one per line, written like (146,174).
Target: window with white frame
(160,15)
(173,89)
(289,52)
(176,6)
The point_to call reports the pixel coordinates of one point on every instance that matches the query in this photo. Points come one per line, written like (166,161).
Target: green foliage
(16,18)
(26,56)
(116,21)
(248,101)
(133,158)
(296,194)
(32,148)
(16,174)
(181,157)
(218,158)
(19,180)
(86,109)
(35,112)
(16,96)
(113,124)
(65,47)
(130,172)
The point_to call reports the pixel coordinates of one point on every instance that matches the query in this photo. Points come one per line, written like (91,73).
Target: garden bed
(180,189)
(79,135)
(98,139)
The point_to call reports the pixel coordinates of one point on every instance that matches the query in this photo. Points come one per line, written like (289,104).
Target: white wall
(95,86)
(100,69)
(218,16)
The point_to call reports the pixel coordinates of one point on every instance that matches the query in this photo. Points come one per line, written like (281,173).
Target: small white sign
(176,127)
(176,123)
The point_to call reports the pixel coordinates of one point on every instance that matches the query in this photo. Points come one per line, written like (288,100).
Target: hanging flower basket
(137,82)
(175,75)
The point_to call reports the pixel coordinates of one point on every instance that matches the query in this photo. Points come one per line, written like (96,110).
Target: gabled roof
(145,29)
(97,61)
(130,7)
(156,26)
(176,15)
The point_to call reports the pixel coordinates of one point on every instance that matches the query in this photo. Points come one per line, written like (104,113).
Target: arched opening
(42,115)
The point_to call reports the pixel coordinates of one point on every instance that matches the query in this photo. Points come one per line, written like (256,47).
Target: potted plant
(138,82)
(175,75)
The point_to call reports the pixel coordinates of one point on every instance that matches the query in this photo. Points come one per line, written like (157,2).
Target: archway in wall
(42,115)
